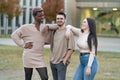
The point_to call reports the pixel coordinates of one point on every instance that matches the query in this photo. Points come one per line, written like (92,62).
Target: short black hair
(62,13)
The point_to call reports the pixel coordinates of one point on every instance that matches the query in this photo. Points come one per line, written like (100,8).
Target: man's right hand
(28,45)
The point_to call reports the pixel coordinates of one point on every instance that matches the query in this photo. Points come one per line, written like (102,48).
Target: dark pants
(58,71)
(42,72)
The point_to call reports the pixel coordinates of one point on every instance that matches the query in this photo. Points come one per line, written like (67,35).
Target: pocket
(65,64)
(61,62)
(68,62)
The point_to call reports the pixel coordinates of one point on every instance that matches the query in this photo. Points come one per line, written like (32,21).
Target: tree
(51,8)
(10,8)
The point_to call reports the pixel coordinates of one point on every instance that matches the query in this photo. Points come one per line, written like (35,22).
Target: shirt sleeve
(92,54)
(93,47)
(76,31)
(52,26)
(71,43)
(16,36)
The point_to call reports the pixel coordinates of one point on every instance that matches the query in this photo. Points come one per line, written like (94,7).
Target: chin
(59,25)
(83,28)
(41,21)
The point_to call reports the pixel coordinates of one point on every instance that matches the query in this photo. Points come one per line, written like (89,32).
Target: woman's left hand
(88,71)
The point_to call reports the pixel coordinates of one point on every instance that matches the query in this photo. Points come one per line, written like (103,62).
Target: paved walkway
(104,43)
(109,44)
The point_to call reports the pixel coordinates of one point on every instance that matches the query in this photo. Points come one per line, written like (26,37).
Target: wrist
(88,66)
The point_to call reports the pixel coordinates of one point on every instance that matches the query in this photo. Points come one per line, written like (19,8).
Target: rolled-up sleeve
(71,43)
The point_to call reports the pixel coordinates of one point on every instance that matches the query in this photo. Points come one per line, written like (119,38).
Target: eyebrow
(59,18)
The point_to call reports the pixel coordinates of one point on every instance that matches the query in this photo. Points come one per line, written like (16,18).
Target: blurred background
(14,13)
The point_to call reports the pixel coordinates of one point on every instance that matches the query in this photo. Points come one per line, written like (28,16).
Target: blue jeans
(58,71)
(80,72)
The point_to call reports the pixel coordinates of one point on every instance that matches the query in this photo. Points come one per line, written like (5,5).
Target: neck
(86,31)
(61,27)
(37,24)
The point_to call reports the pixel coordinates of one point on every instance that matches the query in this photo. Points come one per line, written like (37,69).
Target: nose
(42,17)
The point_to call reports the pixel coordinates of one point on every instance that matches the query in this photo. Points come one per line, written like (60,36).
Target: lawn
(11,64)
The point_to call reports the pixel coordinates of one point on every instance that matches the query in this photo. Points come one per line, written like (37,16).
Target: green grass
(5,35)
(103,34)
(109,63)
(10,57)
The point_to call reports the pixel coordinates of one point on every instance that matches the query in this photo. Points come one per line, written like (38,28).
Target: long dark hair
(92,38)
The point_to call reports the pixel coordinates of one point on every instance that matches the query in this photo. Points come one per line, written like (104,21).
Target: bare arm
(68,55)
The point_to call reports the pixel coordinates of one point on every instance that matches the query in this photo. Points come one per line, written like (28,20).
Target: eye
(59,18)
(41,15)
(84,21)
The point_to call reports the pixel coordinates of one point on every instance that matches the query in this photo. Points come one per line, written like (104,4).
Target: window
(24,2)
(30,2)
(42,1)
(2,20)
(9,23)
(24,15)
(17,21)
(36,3)
(30,16)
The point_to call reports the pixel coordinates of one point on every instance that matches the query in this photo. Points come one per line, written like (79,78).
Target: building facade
(76,10)
(103,11)
(8,26)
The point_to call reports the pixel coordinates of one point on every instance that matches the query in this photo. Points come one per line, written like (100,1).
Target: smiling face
(85,25)
(60,20)
(39,17)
